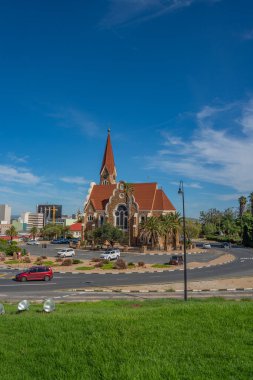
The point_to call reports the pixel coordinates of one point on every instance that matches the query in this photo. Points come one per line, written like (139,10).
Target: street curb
(159,291)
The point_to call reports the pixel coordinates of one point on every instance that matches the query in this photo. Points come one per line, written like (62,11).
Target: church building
(122,204)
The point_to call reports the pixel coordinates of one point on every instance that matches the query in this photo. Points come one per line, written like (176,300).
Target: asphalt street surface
(63,283)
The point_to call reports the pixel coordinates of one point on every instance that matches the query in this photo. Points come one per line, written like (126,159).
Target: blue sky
(172,78)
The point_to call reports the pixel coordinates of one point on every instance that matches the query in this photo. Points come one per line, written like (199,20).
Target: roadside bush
(120,264)
(141,264)
(26,259)
(96,260)
(99,265)
(77,261)
(59,260)
(131,265)
(39,262)
(44,257)
(67,262)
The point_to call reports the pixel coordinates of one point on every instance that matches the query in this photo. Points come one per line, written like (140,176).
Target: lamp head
(181,188)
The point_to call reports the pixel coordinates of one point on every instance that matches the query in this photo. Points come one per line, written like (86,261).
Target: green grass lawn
(159,339)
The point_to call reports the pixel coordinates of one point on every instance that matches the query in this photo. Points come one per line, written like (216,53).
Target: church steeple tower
(108,171)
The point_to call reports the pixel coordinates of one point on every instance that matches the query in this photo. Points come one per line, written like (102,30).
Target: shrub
(120,264)
(99,265)
(26,259)
(59,260)
(39,262)
(141,264)
(131,264)
(44,257)
(67,262)
(96,260)
(77,261)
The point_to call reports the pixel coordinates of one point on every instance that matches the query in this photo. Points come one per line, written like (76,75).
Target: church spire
(108,170)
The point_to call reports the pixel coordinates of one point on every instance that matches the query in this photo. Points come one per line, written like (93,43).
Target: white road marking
(25,284)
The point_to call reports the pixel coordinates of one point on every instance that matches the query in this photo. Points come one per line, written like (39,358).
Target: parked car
(110,254)
(33,242)
(206,246)
(55,241)
(66,252)
(176,260)
(35,273)
(225,245)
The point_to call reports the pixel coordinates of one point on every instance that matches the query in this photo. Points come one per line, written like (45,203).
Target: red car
(36,273)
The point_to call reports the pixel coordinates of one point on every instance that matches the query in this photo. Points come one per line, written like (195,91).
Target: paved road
(51,251)
(61,284)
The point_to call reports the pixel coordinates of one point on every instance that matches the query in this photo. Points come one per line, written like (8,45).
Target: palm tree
(166,225)
(151,230)
(242,204)
(177,225)
(128,190)
(33,232)
(11,232)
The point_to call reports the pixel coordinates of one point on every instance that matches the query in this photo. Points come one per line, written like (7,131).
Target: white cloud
(75,180)
(12,156)
(191,185)
(73,118)
(128,11)
(17,175)
(214,155)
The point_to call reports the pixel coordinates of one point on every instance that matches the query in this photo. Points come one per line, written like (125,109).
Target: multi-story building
(51,212)
(33,219)
(5,213)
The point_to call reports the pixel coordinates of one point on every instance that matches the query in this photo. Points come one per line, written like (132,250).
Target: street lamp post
(181,192)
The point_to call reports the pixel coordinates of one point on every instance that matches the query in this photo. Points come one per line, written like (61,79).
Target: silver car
(110,254)
(66,252)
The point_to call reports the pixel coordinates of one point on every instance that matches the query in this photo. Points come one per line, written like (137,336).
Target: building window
(105,182)
(122,186)
(90,218)
(121,216)
(142,219)
(101,220)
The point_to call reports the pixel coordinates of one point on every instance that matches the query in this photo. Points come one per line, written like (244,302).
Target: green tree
(192,230)
(107,232)
(251,203)
(34,231)
(11,232)
(242,205)
(151,230)
(166,228)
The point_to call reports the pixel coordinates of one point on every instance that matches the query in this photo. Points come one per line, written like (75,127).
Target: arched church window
(90,218)
(121,216)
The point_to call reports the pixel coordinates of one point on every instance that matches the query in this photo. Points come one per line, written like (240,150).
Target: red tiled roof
(100,195)
(76,227)
(146,195)
(108,160)
(162,202)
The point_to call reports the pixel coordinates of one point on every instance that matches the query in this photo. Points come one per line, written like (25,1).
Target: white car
(66,252)
(206,246)
(110,254)
(33,242)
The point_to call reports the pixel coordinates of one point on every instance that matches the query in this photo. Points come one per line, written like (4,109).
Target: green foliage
(107,232)
(192,230)
(129,340)
(11,232)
